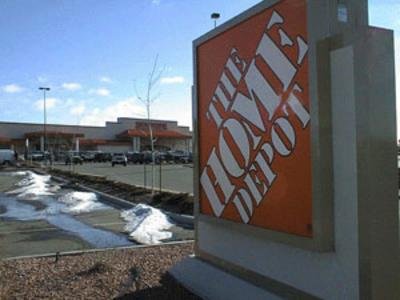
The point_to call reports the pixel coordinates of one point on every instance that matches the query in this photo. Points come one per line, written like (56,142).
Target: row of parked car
(143,157)
(146,157)
(168,156)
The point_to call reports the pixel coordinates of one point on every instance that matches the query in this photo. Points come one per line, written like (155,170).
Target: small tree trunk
(152,148)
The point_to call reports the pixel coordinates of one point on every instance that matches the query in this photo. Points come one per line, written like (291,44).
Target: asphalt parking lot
(173,177)
(39,216)
(20,238)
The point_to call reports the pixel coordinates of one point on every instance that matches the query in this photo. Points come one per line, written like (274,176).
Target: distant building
(126,134)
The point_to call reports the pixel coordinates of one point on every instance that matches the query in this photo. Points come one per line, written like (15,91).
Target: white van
(7,157)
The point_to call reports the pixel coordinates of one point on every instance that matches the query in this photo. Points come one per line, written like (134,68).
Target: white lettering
(259,87)
(241,139)
(277,61)
(221,179)
(288,130)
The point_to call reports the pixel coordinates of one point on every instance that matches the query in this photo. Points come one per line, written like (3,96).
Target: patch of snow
(146,224)
(19,173)
(80,202)
(34,185)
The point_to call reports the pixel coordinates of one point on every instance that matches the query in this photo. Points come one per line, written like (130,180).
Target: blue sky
(91,52)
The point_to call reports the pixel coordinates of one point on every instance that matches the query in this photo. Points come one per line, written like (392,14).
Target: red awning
(157,134)
(53,134)
(132,133)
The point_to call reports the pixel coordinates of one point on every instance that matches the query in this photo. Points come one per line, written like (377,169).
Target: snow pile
(147,225)
(34,185)
(19,173)
(80,202)
(40,187)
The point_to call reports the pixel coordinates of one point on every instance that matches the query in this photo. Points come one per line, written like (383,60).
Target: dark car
(147,157)
(177,156)
(88,156)
(37,155)
(187,158)
(161,156)
(135,157)
(102,157)
(74,159)
(169,157)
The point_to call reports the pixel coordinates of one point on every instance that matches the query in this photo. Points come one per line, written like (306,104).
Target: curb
(79,252)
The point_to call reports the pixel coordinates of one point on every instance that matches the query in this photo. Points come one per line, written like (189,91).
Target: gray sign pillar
(353,128)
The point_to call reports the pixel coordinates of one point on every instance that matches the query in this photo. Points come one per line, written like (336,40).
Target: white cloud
(50,103)
(77,110)
(12,88)
(172,80)
(100,92)
(71,86)
(155,2)
(105,79)
(125,108)
(179,111)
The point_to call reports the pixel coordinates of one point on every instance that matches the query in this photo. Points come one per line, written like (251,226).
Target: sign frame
(321,143)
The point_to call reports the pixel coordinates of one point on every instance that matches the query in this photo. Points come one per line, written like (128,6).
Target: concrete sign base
(209,282)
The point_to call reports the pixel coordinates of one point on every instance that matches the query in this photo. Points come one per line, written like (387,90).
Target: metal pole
(44,89)
(145,177)
(215,16)
(160,176)
(44,121)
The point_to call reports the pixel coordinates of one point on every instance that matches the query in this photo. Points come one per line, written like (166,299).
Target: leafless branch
(153,79)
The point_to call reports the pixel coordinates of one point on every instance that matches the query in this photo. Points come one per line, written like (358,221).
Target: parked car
(134,157)
(177,156)
(7,157)
(88,156)
(37,155)
(186,158)
(146,157)
(119,159)
(60,156)
(102,157)
(73,159)
(161,156)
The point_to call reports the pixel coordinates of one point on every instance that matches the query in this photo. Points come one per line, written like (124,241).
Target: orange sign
(254,121)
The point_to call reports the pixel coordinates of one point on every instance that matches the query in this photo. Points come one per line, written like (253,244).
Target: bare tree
(148,100)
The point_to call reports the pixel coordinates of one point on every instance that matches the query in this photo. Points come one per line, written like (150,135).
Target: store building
(126,134)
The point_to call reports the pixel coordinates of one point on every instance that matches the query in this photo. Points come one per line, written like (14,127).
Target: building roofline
(92,126)
(48,124)
(144,119)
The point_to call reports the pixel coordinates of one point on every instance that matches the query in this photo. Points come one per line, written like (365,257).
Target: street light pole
(44,89)
(215,16)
